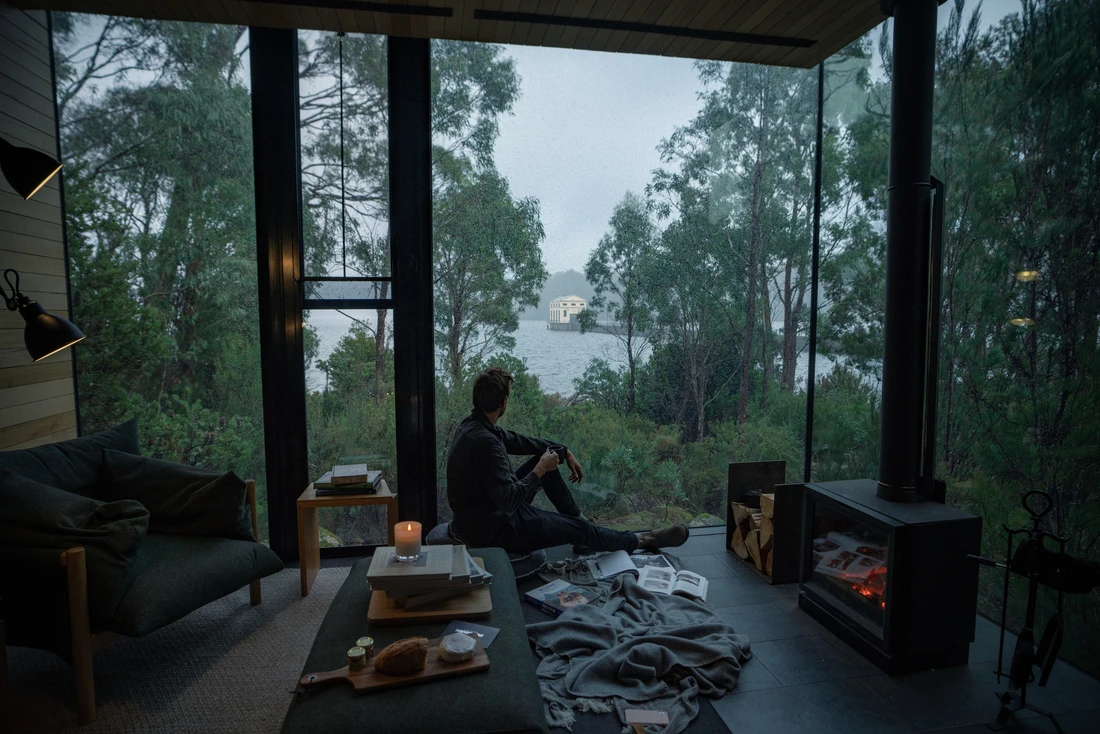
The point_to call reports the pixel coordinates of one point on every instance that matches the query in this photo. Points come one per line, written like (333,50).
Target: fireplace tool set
(1042,567)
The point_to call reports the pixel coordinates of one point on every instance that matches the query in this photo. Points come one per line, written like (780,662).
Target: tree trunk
(766,331)
(750,298)
(380,350)
(790,353)
(630,364)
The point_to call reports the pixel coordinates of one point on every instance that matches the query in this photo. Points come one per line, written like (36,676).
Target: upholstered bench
(505,698)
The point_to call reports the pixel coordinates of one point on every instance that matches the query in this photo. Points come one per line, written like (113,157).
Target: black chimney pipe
(907,235)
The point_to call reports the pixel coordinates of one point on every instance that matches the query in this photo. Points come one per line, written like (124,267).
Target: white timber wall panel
(36,400)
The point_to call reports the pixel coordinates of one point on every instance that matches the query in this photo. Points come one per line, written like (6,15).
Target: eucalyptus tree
(617,269)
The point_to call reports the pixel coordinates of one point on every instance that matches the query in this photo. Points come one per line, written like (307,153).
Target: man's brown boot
(670,537)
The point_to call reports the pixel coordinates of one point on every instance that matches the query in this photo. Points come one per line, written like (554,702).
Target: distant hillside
(566,283)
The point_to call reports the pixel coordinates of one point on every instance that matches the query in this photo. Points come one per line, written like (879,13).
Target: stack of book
(347,479)
(441,572)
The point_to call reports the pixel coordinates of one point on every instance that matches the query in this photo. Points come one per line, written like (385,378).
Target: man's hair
(490,389)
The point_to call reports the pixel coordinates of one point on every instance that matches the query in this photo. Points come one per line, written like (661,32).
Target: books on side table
(347,479)
(441,572)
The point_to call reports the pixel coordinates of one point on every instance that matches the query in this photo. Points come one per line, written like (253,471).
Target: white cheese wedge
(457,648)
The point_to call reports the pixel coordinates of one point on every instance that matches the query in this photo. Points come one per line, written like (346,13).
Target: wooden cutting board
(369,681)
(475,605)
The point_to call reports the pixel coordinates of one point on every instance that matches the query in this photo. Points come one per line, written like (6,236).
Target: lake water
(557,357)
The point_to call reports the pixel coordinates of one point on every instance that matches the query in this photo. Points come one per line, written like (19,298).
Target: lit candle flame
(409,526)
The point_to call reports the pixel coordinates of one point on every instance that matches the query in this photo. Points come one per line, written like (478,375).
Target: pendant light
(44,334)
(26,169)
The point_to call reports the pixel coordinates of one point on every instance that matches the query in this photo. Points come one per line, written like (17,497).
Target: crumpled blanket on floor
(639,650)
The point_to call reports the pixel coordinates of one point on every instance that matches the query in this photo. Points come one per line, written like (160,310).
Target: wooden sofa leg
(250,492)
(80,629)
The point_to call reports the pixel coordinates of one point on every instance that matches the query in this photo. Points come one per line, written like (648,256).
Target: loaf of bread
(457,648)
(403,657)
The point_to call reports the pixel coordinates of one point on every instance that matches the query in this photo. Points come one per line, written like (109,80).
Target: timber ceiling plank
(829,23)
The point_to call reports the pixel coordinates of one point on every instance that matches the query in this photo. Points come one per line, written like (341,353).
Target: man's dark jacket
(482,488)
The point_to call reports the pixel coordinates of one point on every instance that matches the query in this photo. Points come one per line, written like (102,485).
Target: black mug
(560,451)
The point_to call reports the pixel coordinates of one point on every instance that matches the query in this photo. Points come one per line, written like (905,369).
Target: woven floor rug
(228,667)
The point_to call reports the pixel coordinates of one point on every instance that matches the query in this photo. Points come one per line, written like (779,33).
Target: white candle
(406,539)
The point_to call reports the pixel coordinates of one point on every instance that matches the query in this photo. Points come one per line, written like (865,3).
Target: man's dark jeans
(530,528)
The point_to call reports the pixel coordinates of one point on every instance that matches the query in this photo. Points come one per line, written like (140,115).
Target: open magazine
(671,581)
(849,557)
(618,562)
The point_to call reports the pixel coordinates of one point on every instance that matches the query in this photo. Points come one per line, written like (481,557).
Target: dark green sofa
(54,598)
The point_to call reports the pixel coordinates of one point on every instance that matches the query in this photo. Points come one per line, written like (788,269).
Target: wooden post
(254,588)
(80,629)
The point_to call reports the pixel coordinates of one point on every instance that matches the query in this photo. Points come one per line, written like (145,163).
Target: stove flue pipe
(907,235)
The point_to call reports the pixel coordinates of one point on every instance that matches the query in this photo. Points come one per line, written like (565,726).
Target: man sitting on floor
(492,503)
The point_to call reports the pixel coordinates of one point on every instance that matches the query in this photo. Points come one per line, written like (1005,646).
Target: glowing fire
(869,593)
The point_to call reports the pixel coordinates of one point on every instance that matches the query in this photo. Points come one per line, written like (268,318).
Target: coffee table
(504,698)
(309,546)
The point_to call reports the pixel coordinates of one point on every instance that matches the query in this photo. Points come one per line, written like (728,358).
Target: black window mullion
(273,56)
(410,172)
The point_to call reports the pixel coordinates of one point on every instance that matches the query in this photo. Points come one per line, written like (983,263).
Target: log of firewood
(767,529)
(752,542)
(768,564)
(741,513)
(737,544)
(767,504)
(757,517)
(766,556)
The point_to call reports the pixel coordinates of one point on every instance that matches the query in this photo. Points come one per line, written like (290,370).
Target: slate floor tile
(986,640)
(799,660)
(755,676)
(1073,688)
(1084,722)
(829,707)
(736,591)
(948,697)
(709,566)
(761,622)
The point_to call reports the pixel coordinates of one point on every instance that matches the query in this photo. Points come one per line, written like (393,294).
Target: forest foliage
(707,268)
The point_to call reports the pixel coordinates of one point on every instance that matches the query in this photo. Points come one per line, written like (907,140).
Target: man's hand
(548,462)
(576,473)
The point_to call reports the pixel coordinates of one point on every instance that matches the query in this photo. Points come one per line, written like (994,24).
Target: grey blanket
(639,650)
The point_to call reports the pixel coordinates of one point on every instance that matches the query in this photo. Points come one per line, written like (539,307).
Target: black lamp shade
(45,333)
(26,169)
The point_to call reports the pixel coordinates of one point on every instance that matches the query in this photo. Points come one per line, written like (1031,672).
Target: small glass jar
(357,659)
(367,643)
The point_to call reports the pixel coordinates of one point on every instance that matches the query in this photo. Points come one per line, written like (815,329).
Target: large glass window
(630,237)
(1018,395)
(156,136)
(348,323)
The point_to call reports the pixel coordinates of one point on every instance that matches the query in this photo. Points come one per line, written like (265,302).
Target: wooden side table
(309,547)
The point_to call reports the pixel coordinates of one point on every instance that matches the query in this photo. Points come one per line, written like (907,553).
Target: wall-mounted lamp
(44,334)
(1026,276)
(1022,321)
(26,169)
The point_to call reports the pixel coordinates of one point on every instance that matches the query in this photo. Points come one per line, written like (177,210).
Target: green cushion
(181,499)
(72,465)
(505,698)
(36,515)
(176,574)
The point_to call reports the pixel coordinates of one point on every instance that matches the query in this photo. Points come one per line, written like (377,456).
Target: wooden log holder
(764,519)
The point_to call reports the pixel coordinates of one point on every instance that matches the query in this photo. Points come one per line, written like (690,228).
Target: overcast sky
(586,129)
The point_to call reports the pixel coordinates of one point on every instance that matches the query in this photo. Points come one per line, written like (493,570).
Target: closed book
(419,600)
(350,474)
(435,563)
(370,479)
(341,491)
(557,596)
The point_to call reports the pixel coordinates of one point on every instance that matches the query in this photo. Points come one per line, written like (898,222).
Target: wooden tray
(369,681)
(475,605)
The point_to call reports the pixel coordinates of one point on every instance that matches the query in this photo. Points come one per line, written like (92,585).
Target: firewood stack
(752,534)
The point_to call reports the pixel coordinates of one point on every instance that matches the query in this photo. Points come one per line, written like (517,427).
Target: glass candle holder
(406,541)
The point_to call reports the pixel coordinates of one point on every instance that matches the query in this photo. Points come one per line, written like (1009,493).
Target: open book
(617,562)
(670,581)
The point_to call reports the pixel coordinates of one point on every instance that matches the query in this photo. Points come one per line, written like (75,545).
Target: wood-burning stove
(891,579)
